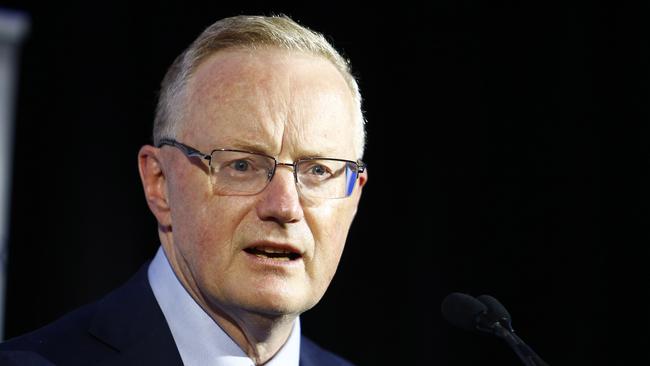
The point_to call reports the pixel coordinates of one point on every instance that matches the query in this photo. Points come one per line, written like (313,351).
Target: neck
(260,336)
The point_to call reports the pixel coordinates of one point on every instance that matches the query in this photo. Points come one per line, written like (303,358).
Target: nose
(280,201)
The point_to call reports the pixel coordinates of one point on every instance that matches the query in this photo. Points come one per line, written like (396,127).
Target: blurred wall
(13,26)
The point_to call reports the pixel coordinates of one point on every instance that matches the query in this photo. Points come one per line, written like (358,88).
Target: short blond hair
(246,32)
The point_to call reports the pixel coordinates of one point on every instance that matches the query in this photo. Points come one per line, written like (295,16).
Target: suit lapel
(130,321)
(308,352)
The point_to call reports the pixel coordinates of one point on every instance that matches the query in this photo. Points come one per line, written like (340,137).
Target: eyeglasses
(238,172)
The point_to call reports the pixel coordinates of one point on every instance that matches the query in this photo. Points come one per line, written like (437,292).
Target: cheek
(330,224)
(204,225)
(216,225)
(333,219)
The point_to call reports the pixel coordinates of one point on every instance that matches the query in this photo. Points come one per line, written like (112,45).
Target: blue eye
(240,165)
(318,170)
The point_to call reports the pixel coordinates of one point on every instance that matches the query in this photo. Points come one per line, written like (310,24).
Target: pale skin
(285,104)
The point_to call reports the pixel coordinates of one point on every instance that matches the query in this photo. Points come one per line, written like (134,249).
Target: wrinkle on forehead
(327,136)
(270,97)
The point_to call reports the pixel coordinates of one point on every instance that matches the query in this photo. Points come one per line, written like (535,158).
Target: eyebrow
(325,151)
(252,146)
(261,148)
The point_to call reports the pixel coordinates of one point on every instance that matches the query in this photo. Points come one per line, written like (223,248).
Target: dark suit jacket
(126,327)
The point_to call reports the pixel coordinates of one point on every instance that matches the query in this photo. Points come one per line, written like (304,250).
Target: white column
(13,27)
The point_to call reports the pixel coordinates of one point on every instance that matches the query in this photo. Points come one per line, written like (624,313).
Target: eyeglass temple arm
(361,165)
(189,151)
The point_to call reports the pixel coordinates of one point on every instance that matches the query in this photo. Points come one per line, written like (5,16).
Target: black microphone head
(462,310)
(496,312)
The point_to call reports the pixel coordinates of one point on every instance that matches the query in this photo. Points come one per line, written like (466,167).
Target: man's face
(283,104)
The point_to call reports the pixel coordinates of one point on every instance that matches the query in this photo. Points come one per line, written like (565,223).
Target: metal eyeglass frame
(192,152)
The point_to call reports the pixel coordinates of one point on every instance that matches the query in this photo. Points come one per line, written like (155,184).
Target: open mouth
(273,253)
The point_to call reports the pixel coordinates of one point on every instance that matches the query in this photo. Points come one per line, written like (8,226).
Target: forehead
(273,100)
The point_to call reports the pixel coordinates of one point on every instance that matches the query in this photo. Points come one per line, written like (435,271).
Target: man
(254,178)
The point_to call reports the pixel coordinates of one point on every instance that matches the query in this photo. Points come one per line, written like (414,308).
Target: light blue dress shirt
(199,339)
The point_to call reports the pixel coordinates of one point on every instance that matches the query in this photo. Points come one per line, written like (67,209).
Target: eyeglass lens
(247,173)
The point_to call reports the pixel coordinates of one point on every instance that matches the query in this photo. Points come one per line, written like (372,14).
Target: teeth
(274,253)
(273,250)
(276,258)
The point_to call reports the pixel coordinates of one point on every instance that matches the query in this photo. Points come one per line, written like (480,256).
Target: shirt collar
(200,340)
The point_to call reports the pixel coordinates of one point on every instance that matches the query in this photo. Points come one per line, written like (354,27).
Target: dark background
(507,152)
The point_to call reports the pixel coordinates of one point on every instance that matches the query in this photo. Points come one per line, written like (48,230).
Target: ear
(363,178)
(154,184)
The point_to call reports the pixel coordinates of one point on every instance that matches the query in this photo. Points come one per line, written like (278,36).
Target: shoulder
(311,354)
(92,332)
(22,358)
(55,341)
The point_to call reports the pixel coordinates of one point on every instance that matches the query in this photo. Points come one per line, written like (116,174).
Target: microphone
(486,314)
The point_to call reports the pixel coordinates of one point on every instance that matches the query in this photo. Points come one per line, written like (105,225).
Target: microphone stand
(525,353)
